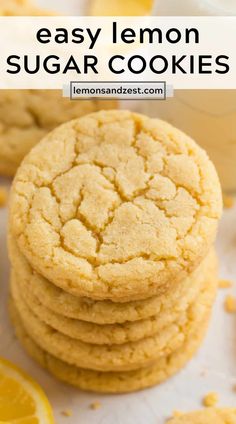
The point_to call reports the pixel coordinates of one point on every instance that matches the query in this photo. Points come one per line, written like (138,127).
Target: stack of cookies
(113,217)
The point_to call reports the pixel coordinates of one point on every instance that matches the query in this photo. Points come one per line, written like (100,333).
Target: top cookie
(115,205)
(207,416)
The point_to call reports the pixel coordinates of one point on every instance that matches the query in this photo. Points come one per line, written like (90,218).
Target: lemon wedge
(22,401)
(121,7)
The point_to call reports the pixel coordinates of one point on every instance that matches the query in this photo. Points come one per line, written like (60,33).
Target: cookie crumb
(3,196)
(203,373)
(228,201)
(211,399)
(225,284)
(95,405)
(230,304)
(67,413)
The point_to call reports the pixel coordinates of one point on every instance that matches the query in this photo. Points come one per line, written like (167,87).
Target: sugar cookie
(115,205)
(108,312)
(109,382)
(119,333)
(122,357)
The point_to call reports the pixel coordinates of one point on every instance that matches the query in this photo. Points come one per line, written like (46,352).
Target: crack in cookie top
(115,205)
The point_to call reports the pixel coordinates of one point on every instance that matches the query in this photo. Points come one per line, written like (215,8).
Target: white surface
(214,368)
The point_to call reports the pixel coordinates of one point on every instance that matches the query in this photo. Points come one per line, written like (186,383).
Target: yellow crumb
(228,201)
(211,399)
(230,304)
(177,413)
(95,405)
(67,413)
(3,196)
(225,284)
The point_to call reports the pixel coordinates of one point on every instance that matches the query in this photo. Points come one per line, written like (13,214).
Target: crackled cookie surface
(176,299)
(27,115)
(108,382)
(207,416)
(115,205)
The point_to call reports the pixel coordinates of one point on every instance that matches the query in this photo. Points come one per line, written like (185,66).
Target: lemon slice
(22,401)
(121,7)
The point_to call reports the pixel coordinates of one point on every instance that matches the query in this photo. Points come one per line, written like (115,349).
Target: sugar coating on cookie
(115,205)
(176,311)
(113,357)
(108,382)
(207,416)
(175,299)
(125,357)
